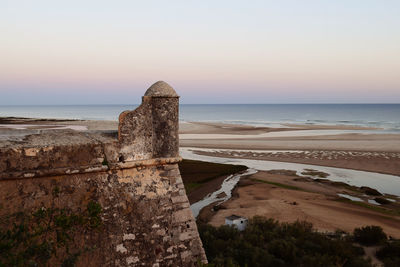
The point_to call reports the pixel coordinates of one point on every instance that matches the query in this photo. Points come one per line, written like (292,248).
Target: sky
(110,52)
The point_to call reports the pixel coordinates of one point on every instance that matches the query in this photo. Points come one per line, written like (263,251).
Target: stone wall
(132,174)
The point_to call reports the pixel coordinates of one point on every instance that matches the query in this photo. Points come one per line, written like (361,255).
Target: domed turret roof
(161,88)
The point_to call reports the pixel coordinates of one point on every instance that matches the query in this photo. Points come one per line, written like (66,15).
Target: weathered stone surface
(161,89)
(165,127)
(138,214)
(151,130)
(135,177)
(73,151)
(135,133)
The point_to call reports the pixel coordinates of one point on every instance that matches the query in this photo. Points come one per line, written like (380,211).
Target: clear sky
(110,52)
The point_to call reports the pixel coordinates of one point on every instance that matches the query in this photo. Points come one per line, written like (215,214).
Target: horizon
(210,52)
(193,104)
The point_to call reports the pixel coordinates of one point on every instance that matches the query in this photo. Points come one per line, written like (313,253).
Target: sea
(383,116)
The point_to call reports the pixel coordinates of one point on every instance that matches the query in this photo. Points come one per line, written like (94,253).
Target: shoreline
(199,127)
(356,164)
(188,127)
(359,143)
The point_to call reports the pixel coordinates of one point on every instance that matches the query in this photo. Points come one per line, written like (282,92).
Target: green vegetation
(316,173)
(190,187)
(195,173)
(338,184)
(33,239)
(386,211)
(283,172)
(266,242)
(370,191)
(291,187)
(389,254)
(369,235)
(382,200)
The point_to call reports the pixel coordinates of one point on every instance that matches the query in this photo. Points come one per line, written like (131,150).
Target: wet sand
(224,128)
(306,137)
(14,124)
(357,148)
(380,162)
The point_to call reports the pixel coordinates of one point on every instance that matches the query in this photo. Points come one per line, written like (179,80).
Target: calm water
(385,116)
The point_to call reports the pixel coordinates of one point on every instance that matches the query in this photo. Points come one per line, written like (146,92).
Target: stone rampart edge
(29,174)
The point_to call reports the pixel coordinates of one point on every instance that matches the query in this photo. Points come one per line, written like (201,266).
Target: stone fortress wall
(146,217)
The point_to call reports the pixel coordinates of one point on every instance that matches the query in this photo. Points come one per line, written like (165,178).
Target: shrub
(382,200)
(316,173)
(389,254)
(266,242)
(370,191)
(34,238)
(369,235)
(391,262)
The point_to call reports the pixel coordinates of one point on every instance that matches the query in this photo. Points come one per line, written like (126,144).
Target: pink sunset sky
(110,52)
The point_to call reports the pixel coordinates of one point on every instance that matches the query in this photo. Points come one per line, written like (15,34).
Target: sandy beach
(313,137)
(356,148)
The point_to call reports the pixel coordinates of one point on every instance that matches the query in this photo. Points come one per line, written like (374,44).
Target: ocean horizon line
(192,104)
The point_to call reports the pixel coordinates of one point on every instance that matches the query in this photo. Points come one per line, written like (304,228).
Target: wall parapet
(148,132)
(151,130)
(132,174)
